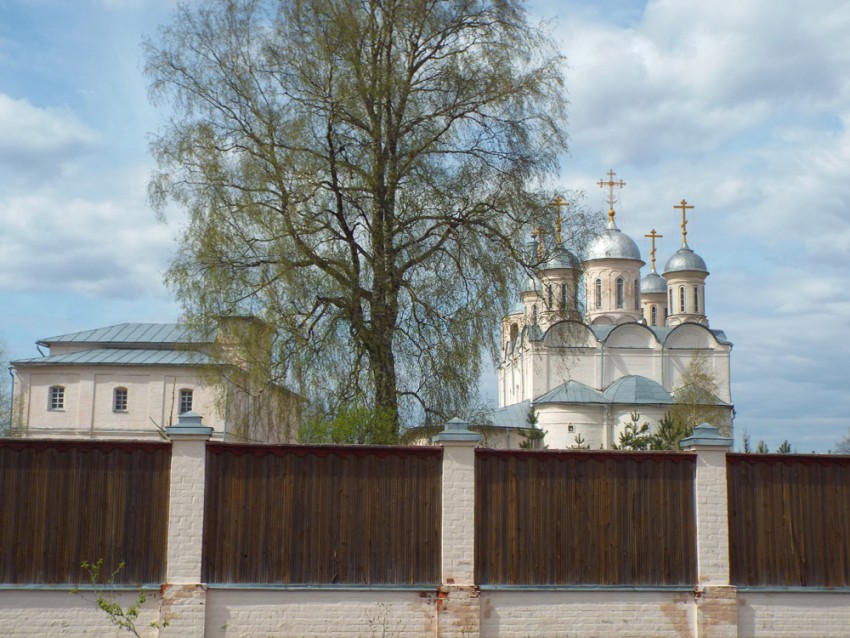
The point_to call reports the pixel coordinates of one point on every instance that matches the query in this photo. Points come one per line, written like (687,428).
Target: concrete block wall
(454,608)
(44,613)
(555,614)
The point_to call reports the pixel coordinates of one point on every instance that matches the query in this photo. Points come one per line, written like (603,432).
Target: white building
(134,379)
(586,371)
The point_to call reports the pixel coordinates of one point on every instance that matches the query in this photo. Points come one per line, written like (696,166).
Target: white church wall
(559,365)
(586,421)
(622,362)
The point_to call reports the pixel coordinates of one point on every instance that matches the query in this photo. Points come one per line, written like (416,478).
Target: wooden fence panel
(322,515)
(789,520)
(67,502)
(584,518)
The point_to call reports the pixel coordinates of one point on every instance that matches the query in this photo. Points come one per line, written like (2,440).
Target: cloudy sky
(738,107)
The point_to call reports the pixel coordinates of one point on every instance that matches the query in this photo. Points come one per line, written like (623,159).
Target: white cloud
(92,248)
(36,143)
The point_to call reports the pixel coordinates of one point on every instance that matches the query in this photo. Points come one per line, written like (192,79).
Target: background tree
(533,436)
(362,176)
(579,443)
(5,392)
(843,446)
(695,401)
(746,447)
(636,436)
(355,424)
(670,433)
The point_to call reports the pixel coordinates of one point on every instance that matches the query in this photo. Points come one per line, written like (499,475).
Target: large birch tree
(360,174)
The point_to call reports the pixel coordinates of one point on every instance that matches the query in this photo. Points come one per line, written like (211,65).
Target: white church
(585,368)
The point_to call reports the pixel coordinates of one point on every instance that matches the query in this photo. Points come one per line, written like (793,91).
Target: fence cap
(189,424)
(457,430)
(705,435)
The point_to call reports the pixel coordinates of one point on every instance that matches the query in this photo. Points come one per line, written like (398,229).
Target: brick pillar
(184,596)
(458,609)
(716,598)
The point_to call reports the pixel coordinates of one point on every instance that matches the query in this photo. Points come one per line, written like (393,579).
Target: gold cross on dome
(684,206)
(611,184)
(559,203)
(653,235)
(539,233)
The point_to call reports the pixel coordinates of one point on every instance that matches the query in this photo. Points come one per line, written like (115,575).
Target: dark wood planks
(584,518)
(322,515)
(66,502)
(789,520)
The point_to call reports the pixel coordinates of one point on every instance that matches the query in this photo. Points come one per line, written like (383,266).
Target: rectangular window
(57,398)
(185,401)
(119,400)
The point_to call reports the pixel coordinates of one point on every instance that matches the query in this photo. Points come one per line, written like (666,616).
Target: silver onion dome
(562,259)
(613,244)
(532,284)
(685,259)
(653,282)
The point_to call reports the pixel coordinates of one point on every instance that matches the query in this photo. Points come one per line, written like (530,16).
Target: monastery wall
(455,607)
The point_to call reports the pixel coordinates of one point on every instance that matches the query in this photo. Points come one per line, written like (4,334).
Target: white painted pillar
(184,596)
(458,608)
(716,598)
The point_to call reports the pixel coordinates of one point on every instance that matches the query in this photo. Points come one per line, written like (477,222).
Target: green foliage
(361,176)
(695,400)
(121,617)
(533,439)
(635,435)
(745,443)
(784,447)
(5,393)
(762,448)
(579,443)
(843,446)
(671,432)
(638,436)
(356,424)
(533,436)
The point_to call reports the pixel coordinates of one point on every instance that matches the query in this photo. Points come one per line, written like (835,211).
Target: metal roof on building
(601,331)
(127,333)
(123,357)
(572,392)
(511,416)
(637,390)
